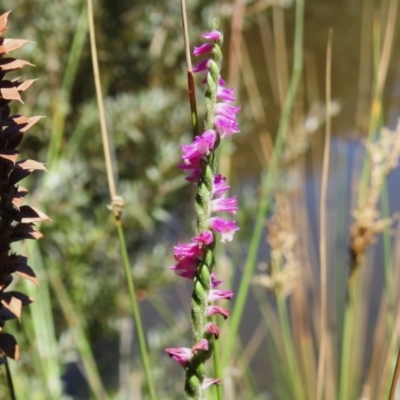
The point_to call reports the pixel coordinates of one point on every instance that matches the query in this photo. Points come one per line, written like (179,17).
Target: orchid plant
(195,260)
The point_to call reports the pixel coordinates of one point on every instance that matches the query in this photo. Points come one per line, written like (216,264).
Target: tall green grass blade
(267,187)
(61,106)
(75,324)
(136,312)
(43,325)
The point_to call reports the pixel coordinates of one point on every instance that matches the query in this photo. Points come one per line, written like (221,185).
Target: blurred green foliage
(143,73)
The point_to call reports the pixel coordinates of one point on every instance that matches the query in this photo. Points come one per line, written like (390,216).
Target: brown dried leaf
(15,195)
(18,198)
(28,214)
(31,165)
(8,91)
(18,174)
(21,127)
(24,231)
(3,21)
(24,85)
(12,64)
(9,154)
(32,121)
(13,304)
(24,270)
(9,346)
(7,45)
(14,120)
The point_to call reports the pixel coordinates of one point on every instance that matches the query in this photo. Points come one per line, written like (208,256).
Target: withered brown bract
(17,221)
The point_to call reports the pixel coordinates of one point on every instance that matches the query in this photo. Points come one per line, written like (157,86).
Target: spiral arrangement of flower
(195,260)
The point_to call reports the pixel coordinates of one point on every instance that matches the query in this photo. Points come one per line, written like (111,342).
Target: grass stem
(116,206)
(267,187)
(9,381)
(323,230)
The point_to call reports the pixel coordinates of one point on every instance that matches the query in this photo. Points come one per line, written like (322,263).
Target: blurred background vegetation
(77,341)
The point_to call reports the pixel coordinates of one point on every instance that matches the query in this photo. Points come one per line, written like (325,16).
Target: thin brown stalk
(235,42)
(323,232)
(364,80)
(99,95)
(396,375)
(10,384)
(191,86)
(116,207)
(280,53)
(383,65)
(268,49)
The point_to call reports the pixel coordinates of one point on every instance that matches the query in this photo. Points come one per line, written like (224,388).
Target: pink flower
(204,238)
(212,329)
(212,35)
(225,93)
(203,49)
(210,381)
(192,169)
(202,66)
(226,127)
(226,110)
(224,205)
(226,228)
(185,268)
(200,346)
(187,250)
(214,281)
(216,294)
(200,147)
(220,186)
(212,310)
(183,355)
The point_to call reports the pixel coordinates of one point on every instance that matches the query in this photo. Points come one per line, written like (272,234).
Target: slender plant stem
(295,377)
(395,379)
(75,324)
(191,87)
(387,254)
(59,114)
(43,324)
(135,311)
(380,74)
(99,95)
(323,231)
(267,187)
(9,381)
(116,207)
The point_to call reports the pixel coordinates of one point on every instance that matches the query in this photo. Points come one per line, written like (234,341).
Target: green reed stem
(395,379)
(387,257)
(43,325)
(349,363)
(381,62)
(267,186)
(9,381)
(298,388)
(82,343)
(60,106)
(135,310)
(116,207)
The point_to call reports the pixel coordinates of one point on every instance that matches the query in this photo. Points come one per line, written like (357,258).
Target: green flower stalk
(195,261)
(17,221)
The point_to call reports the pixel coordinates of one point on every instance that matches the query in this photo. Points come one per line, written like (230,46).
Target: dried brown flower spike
(16,220)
